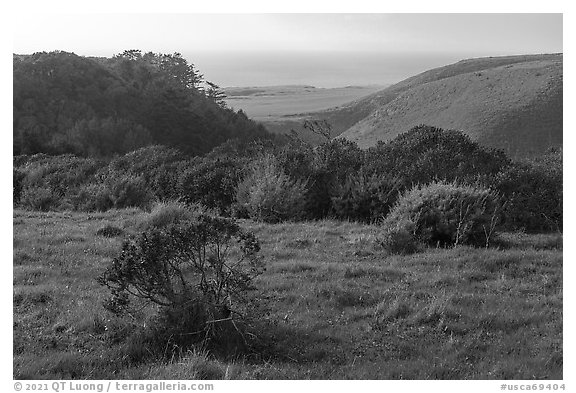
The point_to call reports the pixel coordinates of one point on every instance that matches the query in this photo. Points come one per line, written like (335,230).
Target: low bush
(39,198)
(196,272)
(425,154)
(211,183)
(93,197)
(340,157)
(299,161)
(17,179)
(129,191)
(323,168)
(62,175)
(143,161)
(110,231)
(400,238)
(443,214)
(164,214)
(164,180)
(50,182)
(269,194)
(365,197)
(533,194)
(159,166)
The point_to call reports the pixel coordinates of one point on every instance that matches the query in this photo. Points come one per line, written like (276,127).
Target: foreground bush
(442,214)
(268,194)
(197,272)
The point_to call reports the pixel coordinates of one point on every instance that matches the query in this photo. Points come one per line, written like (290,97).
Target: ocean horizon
(318,69)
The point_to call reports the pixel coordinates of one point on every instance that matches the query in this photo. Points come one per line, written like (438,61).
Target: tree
(216,94)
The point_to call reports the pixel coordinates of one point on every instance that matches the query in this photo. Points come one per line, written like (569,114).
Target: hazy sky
(252,49)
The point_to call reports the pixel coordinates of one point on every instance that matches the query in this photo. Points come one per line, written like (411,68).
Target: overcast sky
(214,42)
(465,33)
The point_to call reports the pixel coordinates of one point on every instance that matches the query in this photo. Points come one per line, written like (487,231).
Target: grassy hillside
(513,103)
(332,304)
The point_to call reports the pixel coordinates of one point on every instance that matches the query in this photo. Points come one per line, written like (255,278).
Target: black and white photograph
(286,196)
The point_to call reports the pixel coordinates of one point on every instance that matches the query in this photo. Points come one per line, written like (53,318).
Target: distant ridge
(513,103)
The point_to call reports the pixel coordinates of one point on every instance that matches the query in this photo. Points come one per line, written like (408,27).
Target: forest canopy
(101,107)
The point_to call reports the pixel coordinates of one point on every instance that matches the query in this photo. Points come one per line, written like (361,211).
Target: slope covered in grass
(511,103)
(347,115)
(331,305)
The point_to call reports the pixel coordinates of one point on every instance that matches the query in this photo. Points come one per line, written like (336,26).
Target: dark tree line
(101,107)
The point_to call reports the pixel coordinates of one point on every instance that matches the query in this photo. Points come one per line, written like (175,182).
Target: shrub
(400,238)
(339,157)
(425,154)
(39,198)
(159,166)
(62,175)
(324,168)
(443,214)
(269,194)
(23,159)
(93,197)
(164,214)
(50,182)
(110,231)
(297,160)
(197,272)
(211,183)
(533,193)
(129,191)
(143,161)
(320,189)
(365,197)
(164,180)
(237,148)
(17,179)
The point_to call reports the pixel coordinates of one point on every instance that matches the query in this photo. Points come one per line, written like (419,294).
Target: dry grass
(332,304)
(514,104)
(272,103)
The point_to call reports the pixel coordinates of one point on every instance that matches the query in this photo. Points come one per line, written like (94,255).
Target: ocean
(319,69)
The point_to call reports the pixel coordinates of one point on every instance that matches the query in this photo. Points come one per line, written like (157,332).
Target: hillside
(65,103)
(513,103)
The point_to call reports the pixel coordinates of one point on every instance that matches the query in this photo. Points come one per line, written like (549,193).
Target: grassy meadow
(274,103)
(332,304)
(284,108)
